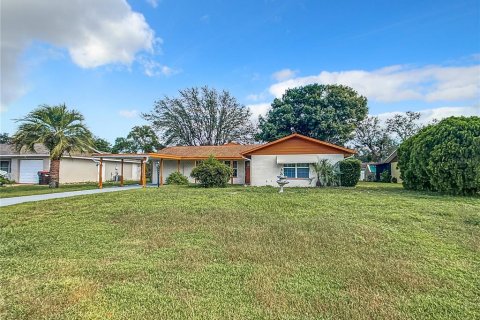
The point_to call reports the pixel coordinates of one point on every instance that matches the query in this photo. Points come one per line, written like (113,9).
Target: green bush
(385,176)
(444,157)
(350,172)
(4,181)
(212,173)
(177,178)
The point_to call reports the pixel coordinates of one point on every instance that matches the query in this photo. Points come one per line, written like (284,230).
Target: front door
(247,172)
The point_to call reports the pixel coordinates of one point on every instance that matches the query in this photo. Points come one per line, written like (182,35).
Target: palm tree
(326,173)
(60,130)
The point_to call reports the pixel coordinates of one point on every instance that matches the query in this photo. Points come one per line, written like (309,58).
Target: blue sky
(112,60)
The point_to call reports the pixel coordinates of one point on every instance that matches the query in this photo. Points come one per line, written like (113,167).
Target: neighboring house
(23,167)
(256,165)
(372,171)
(390,164)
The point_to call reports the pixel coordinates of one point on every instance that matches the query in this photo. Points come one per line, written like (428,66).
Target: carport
(142,158)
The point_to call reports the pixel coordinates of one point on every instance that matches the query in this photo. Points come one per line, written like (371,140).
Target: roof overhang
(346,152)
(146,156)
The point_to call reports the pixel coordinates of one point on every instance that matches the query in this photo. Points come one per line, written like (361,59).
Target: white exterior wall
(264,171)
(169,166)
(186,167)
(240,179)
(74,170)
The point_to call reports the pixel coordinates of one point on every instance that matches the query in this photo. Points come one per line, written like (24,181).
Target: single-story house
(255,165)
(390,164)
(372,171)
(23,166)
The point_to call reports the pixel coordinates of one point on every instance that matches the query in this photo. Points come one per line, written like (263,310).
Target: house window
(235,167)
(5,165)
(296,170)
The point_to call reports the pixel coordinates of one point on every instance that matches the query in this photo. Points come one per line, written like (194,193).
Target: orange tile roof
(227,151)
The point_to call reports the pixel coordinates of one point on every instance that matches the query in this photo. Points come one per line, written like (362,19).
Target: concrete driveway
(39,197)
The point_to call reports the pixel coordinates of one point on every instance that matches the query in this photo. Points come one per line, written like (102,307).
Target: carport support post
(161,172)
(231,167)
(100,169)
(178,166)
(157,165)
(141,172)
(121,172)
(144,182)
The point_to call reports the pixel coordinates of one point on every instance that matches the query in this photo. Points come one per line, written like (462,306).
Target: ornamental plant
(177,178)
(326,173)
(212,173)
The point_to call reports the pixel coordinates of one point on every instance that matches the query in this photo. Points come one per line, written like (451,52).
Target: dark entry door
(247,172)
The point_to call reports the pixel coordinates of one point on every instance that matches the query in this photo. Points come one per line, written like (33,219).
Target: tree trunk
(54,173)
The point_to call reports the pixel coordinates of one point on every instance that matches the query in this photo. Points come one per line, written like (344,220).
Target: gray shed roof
(8,149)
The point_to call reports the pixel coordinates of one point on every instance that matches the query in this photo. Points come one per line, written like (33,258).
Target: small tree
(350,172)
(101,145)
(326,173)
(60,130)
(5,138)
(212,173)
(177,178)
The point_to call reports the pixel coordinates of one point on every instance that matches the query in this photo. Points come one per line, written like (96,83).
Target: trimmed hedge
(177,178)
(349,172)
(444,157)
(212,173)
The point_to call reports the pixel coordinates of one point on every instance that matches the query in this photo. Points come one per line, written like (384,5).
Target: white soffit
(297,158)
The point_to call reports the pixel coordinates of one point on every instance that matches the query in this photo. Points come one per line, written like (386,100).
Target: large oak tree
(201,116)
(325,112)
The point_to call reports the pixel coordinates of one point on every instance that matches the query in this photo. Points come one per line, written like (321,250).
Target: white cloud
(428,115)
(153,68)
(128,113)
(153,3)
(257,96)
(259,109)
(399,83)
(284,74)
(94,33)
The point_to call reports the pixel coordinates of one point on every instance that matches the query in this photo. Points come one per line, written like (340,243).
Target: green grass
(373,252)
(9,191)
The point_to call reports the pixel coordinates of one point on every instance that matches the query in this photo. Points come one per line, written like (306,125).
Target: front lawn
(9,191)
(374,252)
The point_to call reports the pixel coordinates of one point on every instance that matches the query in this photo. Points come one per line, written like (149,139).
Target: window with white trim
(234,167)
(296,170)
(5,165)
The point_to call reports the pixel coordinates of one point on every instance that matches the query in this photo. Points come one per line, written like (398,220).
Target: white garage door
(29,170)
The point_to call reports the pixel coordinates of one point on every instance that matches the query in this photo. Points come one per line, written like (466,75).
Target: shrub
(385,176)
(4,180)
(326,173)
(177,178)
(444,157)
(394,180)
(350,172)
(212,173)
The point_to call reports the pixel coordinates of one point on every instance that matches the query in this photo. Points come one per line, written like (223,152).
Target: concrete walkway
(39,197)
